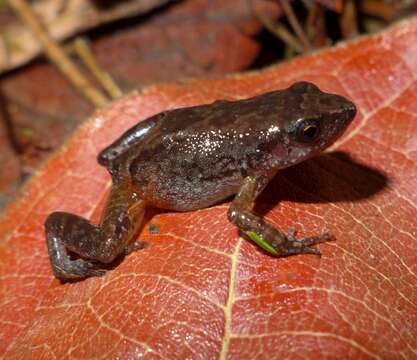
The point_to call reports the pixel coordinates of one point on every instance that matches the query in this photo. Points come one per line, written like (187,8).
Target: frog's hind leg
(95,244)
(63,228)
(263,234)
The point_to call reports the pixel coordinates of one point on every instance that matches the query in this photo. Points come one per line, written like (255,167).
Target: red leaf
(197,290)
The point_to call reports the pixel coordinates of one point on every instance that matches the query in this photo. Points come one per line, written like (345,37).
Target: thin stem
(103,77)
(292,19)
(348,21)
(278,30)
(315,24)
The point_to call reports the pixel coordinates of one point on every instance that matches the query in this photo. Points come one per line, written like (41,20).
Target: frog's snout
(347,110)
(351,110)
(349,113)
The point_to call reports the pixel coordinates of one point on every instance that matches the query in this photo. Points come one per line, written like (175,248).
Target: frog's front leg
(65,232)
(265,235)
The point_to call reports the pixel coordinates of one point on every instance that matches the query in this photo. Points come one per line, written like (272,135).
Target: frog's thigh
(128,140)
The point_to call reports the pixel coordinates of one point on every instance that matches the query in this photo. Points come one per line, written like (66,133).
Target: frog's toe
(304,245)
(134,246)
(313,240)
(76,269)
(89,268)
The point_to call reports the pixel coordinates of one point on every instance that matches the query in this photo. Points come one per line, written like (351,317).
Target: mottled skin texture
(191,158)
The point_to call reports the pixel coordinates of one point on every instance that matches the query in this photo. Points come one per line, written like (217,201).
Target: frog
(195,157)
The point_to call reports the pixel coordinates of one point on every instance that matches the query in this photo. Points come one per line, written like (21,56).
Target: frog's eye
(308,131)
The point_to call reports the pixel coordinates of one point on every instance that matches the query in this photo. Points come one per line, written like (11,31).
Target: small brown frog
(192,158)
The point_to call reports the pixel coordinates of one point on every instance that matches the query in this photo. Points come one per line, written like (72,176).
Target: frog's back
(196,157)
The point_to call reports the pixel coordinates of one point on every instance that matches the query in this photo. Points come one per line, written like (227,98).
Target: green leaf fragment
(26,131)
(261,242)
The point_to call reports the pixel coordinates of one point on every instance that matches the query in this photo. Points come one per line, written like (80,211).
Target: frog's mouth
(299,154)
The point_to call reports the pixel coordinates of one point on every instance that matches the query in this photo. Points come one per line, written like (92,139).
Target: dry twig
(63,18)
(57,55)
(277,29)
(298,29)
(85,54)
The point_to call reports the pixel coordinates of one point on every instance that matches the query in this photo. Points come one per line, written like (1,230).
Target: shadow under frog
(330,177)
(191,158)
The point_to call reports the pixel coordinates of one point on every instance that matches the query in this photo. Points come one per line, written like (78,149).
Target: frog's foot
(134,246)
(76,269)
(290,245)
(263,234)
(63,233)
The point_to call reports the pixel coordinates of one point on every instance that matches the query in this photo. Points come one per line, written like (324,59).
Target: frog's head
(313,120)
